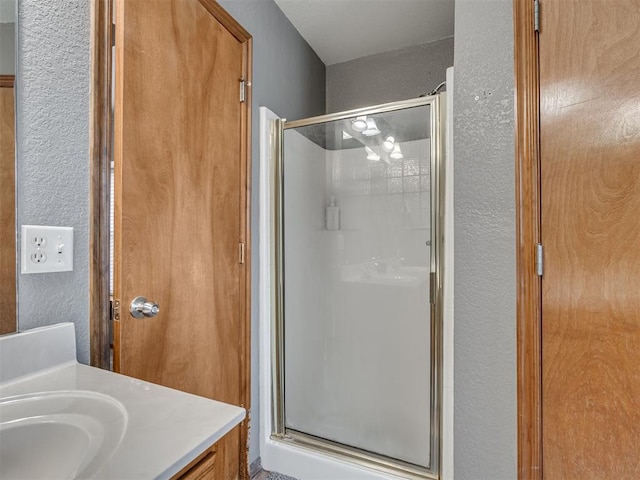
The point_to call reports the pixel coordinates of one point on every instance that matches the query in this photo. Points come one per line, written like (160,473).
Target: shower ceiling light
(371,155)
(396,154)
(372,128)
(388,144)
(359,124)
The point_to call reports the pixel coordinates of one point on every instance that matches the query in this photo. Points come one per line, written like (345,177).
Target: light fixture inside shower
(371,155)
(385,149)
(359,124)
(396,154)
(372,128)
(388,144)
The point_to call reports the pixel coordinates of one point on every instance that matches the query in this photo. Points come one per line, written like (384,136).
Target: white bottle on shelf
(333,215)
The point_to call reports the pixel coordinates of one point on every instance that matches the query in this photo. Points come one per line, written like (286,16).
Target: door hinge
(113,34)
(243,91)
(539,259)
(115,310)
(241,252)
(536,15)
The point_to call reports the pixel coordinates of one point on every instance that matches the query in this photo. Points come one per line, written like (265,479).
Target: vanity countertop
(165,429)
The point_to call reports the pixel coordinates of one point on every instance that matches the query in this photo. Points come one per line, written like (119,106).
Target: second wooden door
(590,160)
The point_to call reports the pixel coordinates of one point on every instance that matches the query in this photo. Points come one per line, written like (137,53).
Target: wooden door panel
(590,185)
(7,207)
(180,188)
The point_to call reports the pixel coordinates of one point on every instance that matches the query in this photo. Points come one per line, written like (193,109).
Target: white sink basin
(61,434)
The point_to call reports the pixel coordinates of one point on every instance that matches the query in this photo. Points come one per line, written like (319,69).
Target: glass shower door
(358,318)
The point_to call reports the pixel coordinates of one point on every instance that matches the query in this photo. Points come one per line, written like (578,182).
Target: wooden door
(7,206)
(181,190)
(590,193)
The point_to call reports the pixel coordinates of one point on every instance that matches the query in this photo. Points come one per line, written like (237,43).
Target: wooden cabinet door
(590,186)
(181,189)
(202,468)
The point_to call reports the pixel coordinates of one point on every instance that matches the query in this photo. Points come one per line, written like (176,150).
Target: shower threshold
(356,456)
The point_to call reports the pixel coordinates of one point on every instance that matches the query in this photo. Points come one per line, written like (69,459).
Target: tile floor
(264,475)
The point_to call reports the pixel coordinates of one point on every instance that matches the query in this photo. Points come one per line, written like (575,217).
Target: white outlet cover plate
(46,249)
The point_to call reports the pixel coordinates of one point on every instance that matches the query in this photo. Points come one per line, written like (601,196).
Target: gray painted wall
(388,77)
(485,276)
(52,109)
(288,78)
(7,11)
(7,46)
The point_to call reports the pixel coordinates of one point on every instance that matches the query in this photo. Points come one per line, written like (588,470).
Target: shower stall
(356,262)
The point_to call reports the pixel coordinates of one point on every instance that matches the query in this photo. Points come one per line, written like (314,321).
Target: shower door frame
(279,432)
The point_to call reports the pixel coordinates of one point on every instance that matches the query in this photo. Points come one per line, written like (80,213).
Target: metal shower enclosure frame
(279,432)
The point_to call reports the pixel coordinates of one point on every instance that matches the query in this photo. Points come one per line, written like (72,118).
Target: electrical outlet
(38,256)
(38,241)
(46,249)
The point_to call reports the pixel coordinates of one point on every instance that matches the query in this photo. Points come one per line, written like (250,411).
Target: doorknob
(140,307)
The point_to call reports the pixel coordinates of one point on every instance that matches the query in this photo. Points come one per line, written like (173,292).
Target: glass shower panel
(357,218)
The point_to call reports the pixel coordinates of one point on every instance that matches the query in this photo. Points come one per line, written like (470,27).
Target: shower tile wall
(356,315)
(374,196)
(383,321)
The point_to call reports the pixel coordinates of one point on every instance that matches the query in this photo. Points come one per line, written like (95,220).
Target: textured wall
(289,78)
(7,46)
(53,72)
(387,77)
(485,277)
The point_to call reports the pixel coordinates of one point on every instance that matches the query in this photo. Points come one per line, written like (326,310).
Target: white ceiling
(341,30)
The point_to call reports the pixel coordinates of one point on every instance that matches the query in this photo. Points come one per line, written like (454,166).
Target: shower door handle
(140,308)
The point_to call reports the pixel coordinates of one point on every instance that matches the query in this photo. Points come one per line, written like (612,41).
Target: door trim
(100,158)
(529,291)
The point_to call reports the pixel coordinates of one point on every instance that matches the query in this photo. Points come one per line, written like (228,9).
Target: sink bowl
(61,434)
